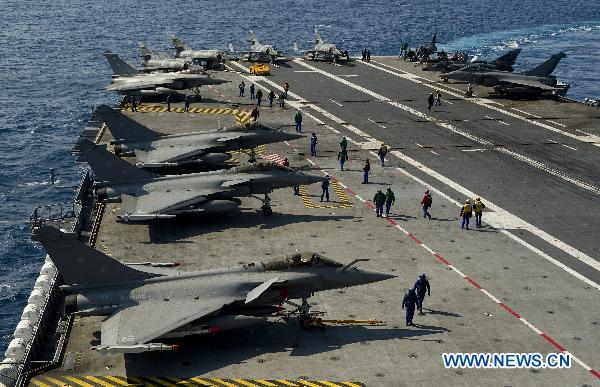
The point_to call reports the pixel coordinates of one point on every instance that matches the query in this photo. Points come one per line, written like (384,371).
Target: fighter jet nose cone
(216,81)
(293,136)
(374,276)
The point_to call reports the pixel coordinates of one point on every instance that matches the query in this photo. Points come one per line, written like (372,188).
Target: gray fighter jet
(425,51)
(158,63)
(535,81)
(145,307)
(208,59)
(326,51)
(502,63)
(205,149)
(129,81)
(260,52)
(145,195)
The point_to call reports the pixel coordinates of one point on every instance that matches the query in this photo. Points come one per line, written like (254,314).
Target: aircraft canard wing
(168,154)
(236,181)
(526,82)
(160,202)
(132,326)
(260,289)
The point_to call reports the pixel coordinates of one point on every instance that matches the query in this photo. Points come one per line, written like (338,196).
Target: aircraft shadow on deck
(401,217)
(202,354)
(170,231)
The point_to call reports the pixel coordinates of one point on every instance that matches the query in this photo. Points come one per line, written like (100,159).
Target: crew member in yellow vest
(466,213)
(478,207)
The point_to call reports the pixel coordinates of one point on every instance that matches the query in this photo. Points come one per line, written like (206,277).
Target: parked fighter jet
(153,149)
(502,63)
(424,52)
(146,307)
(260,52)
(146,196)
(128,81)
(535,81)
(153,63)
(208,59)
(326,51)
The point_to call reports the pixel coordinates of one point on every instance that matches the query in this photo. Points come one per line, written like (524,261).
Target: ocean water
(52,74)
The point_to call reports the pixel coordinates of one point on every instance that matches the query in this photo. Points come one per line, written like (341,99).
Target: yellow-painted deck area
(160,381)
(241,116)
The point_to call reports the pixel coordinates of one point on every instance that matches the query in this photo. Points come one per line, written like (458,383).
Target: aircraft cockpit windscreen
(300,260)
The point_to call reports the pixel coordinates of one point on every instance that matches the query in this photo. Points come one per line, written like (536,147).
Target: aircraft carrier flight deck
(527,281)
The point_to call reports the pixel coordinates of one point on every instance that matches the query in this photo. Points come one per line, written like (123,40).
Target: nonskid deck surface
(527,281)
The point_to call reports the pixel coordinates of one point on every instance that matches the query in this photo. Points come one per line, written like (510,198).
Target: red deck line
(509,310)
(554,343)
(411,236)
(473,283)
(439,257)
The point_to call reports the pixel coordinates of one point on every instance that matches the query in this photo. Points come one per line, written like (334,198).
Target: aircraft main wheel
(305,322)
(267,211)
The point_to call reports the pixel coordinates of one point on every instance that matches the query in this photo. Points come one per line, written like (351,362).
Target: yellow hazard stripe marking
(224,382)
(259,150)
(160,381)
(78,381)
(344,201)
(118,380)
(202,382)
(39,383)
(98,381)
(245,383)
(56,381)
(267,383)
(242,116)
(307,383)
(140,381)
(181,381)
(330,384)
(157,381)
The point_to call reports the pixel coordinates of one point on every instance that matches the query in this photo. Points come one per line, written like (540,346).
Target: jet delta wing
(524,81)
(131,326)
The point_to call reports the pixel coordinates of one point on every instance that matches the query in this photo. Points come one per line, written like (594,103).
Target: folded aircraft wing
(132,325)
(525,82)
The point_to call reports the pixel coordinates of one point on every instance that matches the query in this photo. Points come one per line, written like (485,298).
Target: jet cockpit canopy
(300,260)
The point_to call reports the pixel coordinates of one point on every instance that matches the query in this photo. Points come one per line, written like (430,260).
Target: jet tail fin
(80,264)
(253,38)
(145,52)
(507,59)
(122,127)
(178,44)
(546,68)
(108,167)
(118,65)
(318,39)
